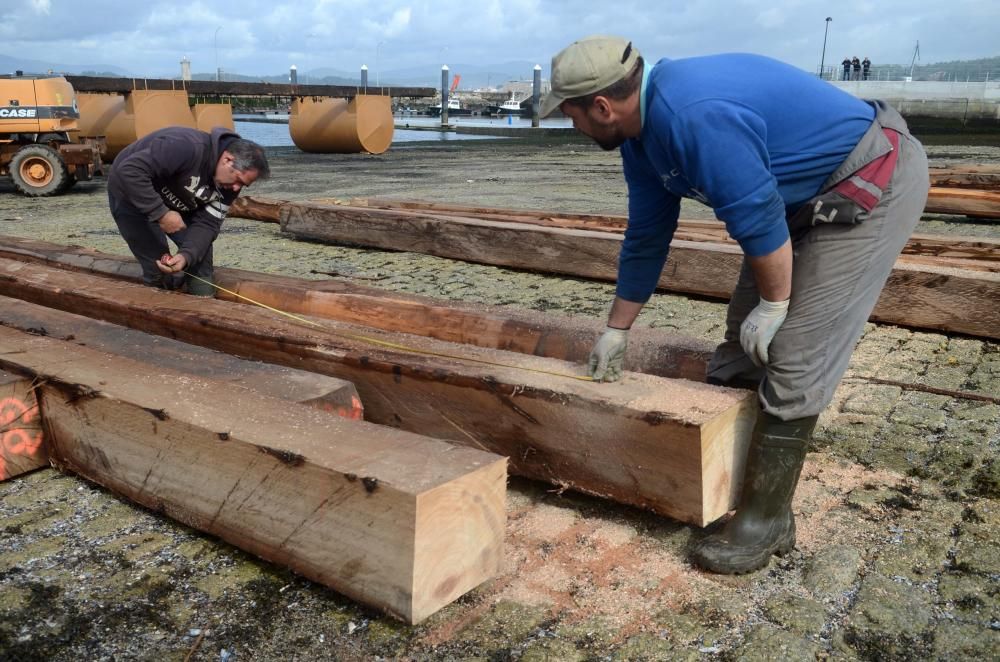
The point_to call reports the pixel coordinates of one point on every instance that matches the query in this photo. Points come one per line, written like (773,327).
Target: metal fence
(899,73)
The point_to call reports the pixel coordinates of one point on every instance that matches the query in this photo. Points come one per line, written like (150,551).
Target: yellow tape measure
(385,343)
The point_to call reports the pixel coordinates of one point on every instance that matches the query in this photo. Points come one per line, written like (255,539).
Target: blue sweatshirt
(749,136)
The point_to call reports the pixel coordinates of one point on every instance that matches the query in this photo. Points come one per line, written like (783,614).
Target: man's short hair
(248,155)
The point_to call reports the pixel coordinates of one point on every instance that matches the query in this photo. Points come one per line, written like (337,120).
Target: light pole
(215,40)
(822,59)
(378,47)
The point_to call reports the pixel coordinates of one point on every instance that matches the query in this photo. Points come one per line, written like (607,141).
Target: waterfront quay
(898,554)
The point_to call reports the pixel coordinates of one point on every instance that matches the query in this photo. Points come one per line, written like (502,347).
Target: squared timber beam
(22,444)
(674,446)
(397,521)
(956,299)
(651,351)
(309,388)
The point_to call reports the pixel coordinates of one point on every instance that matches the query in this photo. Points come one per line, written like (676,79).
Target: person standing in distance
(820,189)
(178,182)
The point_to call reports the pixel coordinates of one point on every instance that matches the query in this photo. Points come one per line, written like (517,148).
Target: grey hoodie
(174,169)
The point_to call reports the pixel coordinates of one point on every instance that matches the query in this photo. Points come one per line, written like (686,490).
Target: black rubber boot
(763,524)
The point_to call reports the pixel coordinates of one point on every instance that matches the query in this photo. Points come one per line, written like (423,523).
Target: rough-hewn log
(954,299)
(652,351)
(241,88)
(975,253)
(22,445)
(397,521)
(582,253)
(981,204)
(319,391)
(982,177)
(979,253)
(256,208)
(673,446)
(963,252)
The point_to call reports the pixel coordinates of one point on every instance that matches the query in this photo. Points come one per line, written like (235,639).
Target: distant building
(185,68)
(522,88)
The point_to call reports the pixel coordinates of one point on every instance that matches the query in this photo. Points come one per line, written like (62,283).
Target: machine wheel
(38,170)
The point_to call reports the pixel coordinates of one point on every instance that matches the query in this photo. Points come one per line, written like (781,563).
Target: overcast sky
(149,37)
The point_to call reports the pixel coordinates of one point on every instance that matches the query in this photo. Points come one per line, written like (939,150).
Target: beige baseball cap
(587,66)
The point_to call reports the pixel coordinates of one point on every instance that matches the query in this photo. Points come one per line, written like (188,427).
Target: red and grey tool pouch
(852,199)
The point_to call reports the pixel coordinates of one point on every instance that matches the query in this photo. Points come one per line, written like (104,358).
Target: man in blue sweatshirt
(820,189)
(178,182)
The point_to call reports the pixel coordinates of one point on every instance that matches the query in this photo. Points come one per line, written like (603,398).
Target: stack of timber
(941,283)
(979,176)
(395,520)
(21,442)
(673,446)
(318,391)
(971,190)
(967,202)
(651,351)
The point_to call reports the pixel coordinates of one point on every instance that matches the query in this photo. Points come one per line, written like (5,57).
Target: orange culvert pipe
(341,126)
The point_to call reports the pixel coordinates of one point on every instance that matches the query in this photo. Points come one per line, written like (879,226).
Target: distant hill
(473,75)
(959,70)
(9,65)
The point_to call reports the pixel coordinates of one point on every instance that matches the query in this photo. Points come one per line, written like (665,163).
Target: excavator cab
(37,115)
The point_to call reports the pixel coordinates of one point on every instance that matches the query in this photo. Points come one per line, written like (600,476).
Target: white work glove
(608,355)
(758,329)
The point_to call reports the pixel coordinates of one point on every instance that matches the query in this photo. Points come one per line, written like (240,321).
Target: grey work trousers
(148,243)
(837,276)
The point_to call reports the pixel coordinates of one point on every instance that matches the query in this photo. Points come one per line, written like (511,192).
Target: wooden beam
(980,204)
(22,444)
(672,446)
(240,88)
(319,391)
(397,521)
(582,253)
(651,351)
(955,299)
(980,253)
(980,176)
(976,253)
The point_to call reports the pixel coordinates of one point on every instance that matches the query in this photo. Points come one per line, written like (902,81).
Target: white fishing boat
(510,106)
(453,105)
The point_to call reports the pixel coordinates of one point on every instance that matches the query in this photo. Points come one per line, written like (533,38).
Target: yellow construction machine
(37,115)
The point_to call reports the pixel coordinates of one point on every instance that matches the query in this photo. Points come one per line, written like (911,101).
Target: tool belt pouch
(826,208)
(850,200)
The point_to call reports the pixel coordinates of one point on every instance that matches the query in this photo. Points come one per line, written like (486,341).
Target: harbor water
(409,128)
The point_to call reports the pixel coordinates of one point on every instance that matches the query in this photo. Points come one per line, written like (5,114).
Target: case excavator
(37,115)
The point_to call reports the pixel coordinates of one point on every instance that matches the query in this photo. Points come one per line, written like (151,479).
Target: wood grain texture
(320,391)
(981,176)
(22,444)
(976,253)
(968,202)
(581,253)
(645,441)
(397,521)
(954,299)
(651,351)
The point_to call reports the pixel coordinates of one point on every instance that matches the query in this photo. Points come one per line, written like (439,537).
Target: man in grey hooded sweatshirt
(178,182)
